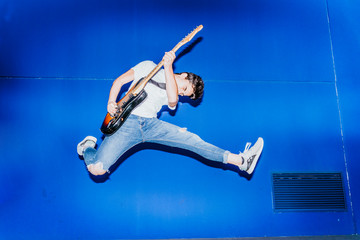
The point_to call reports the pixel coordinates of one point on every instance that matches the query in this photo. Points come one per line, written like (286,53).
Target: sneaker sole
(254,163)
(79,149)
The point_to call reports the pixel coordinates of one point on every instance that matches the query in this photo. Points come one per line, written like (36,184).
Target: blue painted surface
(268,70)
(345,35)
(97,39)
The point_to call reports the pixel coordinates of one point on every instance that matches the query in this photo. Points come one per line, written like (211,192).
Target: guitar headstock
(192,34)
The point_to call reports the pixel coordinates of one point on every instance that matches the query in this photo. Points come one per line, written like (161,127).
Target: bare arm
(115,89)
(171,86)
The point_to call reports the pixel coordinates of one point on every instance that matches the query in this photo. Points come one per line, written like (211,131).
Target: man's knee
(96,169)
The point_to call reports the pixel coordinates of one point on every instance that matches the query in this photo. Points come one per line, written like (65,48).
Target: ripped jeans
(137,129)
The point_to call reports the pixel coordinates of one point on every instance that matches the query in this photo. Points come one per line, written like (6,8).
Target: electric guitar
(136,94)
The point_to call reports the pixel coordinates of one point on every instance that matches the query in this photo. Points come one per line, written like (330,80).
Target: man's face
(185,88)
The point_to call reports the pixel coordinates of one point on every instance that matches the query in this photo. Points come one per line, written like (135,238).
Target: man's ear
(184,75)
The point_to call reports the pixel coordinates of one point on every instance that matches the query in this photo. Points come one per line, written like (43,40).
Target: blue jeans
(137,130)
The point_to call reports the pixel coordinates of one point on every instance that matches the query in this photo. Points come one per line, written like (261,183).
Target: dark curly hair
(197,83)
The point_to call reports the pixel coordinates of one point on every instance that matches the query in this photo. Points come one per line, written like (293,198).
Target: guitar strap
(159,85)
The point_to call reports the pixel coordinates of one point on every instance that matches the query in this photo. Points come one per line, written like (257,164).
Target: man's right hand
(112,108)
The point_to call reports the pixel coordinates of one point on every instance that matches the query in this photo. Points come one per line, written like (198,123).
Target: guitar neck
(136,89)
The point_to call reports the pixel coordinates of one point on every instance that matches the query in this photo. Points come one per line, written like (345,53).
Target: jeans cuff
(225,156)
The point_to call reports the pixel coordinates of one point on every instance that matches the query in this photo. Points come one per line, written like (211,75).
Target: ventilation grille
(308,192)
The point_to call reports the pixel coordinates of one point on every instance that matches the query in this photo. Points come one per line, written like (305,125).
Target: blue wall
(283,70)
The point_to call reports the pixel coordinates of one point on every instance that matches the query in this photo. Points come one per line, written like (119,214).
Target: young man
(143,126)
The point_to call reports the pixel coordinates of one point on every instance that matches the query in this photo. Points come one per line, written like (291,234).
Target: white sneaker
(251,156)
(89,141)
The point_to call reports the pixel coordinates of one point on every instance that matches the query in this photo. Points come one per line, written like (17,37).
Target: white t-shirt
(156,97)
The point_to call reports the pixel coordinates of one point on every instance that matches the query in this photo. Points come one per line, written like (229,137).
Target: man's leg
(99,161)
(161,132)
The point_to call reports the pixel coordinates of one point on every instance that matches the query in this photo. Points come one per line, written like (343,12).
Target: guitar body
(125,106)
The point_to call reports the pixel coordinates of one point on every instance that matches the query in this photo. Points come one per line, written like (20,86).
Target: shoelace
(244,167)
(247,147)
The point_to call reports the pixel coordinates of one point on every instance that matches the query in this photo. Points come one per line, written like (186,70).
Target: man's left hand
(169,58)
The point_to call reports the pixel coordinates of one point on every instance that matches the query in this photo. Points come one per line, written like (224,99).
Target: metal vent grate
(308,192)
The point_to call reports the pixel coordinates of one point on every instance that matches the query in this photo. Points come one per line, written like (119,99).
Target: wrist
(168,67)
